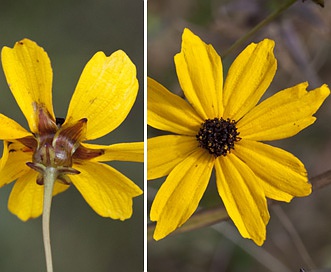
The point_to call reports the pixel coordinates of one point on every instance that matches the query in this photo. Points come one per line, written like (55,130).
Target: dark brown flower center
(218,136)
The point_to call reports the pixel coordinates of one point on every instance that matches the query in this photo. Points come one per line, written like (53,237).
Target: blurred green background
(71,32)
(303,46)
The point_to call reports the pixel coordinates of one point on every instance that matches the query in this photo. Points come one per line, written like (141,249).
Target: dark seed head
(218,136)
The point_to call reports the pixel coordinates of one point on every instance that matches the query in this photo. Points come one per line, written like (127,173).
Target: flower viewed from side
(221,126)
(103,98)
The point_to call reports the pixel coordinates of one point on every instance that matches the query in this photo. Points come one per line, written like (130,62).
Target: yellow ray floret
(221,127)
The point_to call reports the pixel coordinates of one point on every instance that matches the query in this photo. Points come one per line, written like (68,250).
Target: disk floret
(218,136)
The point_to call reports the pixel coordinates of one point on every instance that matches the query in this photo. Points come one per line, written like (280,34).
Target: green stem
(266,21)
(50,175)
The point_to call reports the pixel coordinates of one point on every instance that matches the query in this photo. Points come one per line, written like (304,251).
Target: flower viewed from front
(221,126)
(103,98)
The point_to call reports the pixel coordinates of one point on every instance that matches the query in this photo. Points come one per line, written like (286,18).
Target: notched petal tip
(259,240)
(105,93)
(284,114)
(199,69)
(25,41)
(29,75)
(18,44)
(244,85)
(324,90)
(317,97)
(268,44)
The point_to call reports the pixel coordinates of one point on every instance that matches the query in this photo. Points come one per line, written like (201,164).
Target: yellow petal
(119,152)
(284,114)
(243,197)
(10,130)
(180,194)
(169,112)
(282,175)
(165,152)
(200,73)
(26,198)
(105,93)
(248,78)
(29,76)
(13,162)
(107,191)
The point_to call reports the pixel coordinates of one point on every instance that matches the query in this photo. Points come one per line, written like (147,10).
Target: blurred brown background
(303,49)
(71,32)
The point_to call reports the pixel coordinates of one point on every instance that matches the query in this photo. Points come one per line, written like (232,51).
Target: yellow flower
(103,98)
(221,127)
